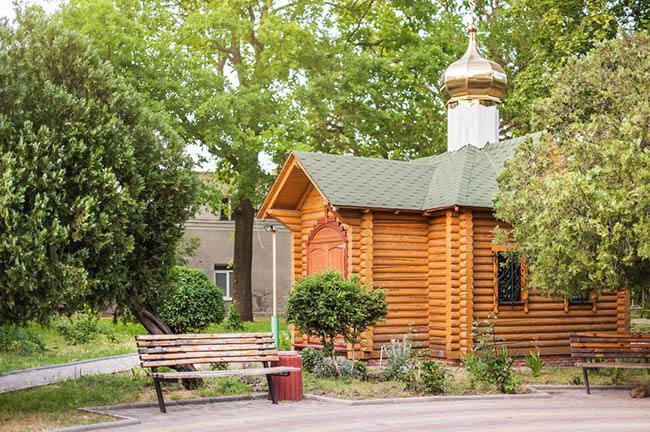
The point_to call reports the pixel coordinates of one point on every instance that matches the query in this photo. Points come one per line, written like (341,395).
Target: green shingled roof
(466,177)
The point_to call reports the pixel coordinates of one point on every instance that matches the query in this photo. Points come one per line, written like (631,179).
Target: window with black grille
(508,280)
(580,299)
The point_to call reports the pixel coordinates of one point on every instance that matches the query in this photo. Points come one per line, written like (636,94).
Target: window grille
(508,280)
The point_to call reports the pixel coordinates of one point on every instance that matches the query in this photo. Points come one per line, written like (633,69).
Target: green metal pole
(275,329)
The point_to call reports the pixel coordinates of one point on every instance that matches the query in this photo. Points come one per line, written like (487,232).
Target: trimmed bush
(194,302)
(326,304)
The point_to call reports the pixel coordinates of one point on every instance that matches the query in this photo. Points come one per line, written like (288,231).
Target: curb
(537,394)
(130,421)
(543,387)
(60,365)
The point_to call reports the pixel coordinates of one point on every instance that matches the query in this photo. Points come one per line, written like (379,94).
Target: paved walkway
(35,377)
(611,410)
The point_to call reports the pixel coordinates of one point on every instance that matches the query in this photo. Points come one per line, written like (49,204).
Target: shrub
(194,302)
(233,322)
(432,377)
(326,368)
(310,358)
(489,363)
(83,327)
(326,305)
(399,360)
(534,363)
(18,339)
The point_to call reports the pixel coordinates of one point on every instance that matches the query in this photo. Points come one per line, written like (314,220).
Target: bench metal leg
(161,401)
(269,381)
(585,376)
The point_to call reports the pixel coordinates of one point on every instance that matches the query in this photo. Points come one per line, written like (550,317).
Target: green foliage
(579,198)
(413,368)
(325,304)
(20,340)
(310,357)
(326,368)
(193,303)
(218,366)
(399,364)
(233,322)
(285,341)
(431,376)
(488,362)
(376,91)
(94,187)
(83,327)
(576,380)
(534,363)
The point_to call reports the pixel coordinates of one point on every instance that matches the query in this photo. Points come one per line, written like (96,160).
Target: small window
(223,279)
(580,299)
(508,280)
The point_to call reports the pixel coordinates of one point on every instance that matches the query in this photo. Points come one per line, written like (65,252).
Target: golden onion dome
(473,77)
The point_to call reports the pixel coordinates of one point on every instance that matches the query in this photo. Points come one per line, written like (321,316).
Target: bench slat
(159,363)
(203,336)
(163,343)
(613,365)
(217,374)
(205,348)
(611,335)
(172,356)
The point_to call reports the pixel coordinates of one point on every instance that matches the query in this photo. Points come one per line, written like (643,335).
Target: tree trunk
(155,325)
(243,259)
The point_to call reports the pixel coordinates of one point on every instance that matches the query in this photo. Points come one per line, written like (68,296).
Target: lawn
(121,341)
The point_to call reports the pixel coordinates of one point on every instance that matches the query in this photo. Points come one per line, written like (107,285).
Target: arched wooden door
(326,248)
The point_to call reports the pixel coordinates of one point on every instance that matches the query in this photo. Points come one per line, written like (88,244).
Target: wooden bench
(609,347)
(156,351)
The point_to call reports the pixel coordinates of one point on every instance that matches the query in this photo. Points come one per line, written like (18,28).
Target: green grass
(56,405)
(60,351)
(259,325)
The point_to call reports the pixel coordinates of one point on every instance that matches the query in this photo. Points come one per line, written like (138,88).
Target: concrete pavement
(565,410)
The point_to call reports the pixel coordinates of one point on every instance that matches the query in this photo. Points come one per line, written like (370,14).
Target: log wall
(400,265)
(439,273)
(547,322)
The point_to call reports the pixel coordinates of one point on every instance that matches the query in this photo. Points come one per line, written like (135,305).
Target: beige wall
(216,248)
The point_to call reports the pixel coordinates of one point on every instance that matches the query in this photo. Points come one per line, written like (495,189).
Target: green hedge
(194,302)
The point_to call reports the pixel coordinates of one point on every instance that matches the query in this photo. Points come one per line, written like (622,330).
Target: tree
(534,39)
(376,90)
(327,305)
(579,198)
(94,187)
(231,66)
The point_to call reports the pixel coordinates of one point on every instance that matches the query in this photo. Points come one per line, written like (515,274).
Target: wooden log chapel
(423,230)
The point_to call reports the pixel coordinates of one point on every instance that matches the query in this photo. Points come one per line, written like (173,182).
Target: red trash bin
(288,388)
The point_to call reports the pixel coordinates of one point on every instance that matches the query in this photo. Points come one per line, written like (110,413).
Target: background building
(215,254)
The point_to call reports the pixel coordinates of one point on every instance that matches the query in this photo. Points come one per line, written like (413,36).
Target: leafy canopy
(579,198)
(94,188)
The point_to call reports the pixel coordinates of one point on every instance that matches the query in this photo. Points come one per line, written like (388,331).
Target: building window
(580,299)
(508,280)
(223,279)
